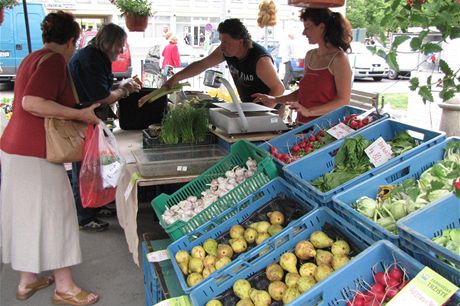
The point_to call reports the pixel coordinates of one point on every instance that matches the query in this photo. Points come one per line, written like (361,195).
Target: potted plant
(443,17)
(136,13)
(6,4)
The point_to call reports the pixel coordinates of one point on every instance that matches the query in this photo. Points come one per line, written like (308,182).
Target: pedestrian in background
(287,53)
(38,218)
(170,54)
(326,83)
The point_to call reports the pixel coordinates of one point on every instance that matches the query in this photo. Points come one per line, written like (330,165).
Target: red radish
(377,287)
(380,278)
(391,292)
(396,274)
(312,138)
(403,284)
(295,148)
(365,121)
(354,124)
(392,283)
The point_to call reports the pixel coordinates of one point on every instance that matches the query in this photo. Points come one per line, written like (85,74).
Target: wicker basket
(316,3)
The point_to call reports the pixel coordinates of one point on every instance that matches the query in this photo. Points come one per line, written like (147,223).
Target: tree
(367,14)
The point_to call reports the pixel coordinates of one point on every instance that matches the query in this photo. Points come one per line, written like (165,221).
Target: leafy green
(163,91)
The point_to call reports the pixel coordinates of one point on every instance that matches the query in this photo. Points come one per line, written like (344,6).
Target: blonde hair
(168,35)
(173,39)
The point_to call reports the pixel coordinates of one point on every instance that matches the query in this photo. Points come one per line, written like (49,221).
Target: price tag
(426,288)
(274,120)
(158,256)
(110,174)
(379,152)
(182,168)
(131,184)
(177,301)
(340,131)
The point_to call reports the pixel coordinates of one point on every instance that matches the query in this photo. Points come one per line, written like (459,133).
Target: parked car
(364,64)
(121,68)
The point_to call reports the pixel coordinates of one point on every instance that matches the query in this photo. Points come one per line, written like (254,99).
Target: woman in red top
(171,53)
(326,83)
(39,229)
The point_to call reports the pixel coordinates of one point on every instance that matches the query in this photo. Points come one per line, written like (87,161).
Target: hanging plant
(6,4)
(136,12)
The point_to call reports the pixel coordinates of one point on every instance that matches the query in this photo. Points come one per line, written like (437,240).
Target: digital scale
(239,118)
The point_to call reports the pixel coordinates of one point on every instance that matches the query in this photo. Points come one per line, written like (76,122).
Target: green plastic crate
(239,153)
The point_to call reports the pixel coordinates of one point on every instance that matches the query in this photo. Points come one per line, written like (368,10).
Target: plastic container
(149,142)
(420,227)
(177,161)
(246,211)
(326,121)
(411,168)
(152,288)
(256,260)
(240,152)
(303,172)
(341,287)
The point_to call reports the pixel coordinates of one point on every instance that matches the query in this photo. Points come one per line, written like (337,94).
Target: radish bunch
(354,123)
(386,285)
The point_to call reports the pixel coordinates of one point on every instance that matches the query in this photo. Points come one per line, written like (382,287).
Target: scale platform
(259,118)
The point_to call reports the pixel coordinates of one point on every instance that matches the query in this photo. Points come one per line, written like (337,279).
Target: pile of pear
(211,256)
(310,262)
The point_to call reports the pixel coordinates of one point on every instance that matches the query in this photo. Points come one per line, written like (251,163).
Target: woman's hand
(264,99)
(299,108)
(87,114)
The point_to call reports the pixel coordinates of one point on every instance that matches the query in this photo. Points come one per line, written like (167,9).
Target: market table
(130,181)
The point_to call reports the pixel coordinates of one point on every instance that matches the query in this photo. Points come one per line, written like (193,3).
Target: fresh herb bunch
(8,3)
(134,7)
(184,124)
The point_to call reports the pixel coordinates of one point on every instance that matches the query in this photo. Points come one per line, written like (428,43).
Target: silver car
(364,64)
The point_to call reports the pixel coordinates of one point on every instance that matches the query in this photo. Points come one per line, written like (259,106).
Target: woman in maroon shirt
(326,83)
(39,229)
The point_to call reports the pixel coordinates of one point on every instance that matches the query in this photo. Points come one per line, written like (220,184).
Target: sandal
(41,283)
(80,298)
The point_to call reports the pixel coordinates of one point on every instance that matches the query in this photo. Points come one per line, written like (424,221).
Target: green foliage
(430,15)
(8,3)
(366,14)
(134,7)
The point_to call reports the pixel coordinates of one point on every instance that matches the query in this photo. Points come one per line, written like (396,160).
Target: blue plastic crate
(152,287)
(303,172)
(326,121)
(419,228)
(241,212)
(271,250)
(411,168)
(342,286)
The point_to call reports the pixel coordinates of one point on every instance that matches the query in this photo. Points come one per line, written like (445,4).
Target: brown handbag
(65,139)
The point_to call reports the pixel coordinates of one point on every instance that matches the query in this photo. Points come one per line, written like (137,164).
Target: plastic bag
(101,167)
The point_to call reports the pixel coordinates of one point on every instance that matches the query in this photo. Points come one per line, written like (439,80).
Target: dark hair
(108,36)
(236,29)
(338,29)
(59,27)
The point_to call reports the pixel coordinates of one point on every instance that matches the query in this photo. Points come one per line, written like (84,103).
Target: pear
(195,265)
(307,269)
(239,245)
(198,252)
(221,262)
(241,288)
(193,279)
(304,283)
(224,250)
(340,247)
(209,261)
(322,272)
(210,246)
(274,229)
(276,290)
(262,298)
(304,250)
(250,235)
(276,217)
(214,303)
(339,260)
(261,237)
(236,231)
(289,262)
(182,258)
(320,240)
(245,302)
(208,270)
(323,257)
(291,279)
(291,294)
(274,272)
(262,226)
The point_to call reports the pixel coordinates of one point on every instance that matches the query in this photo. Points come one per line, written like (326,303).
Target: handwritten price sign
(379,152)
(340,131)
